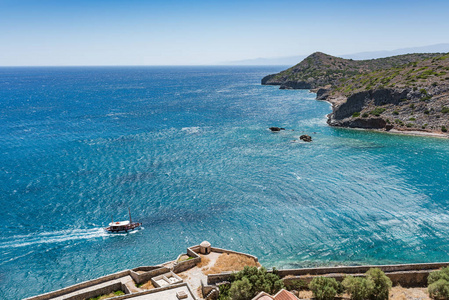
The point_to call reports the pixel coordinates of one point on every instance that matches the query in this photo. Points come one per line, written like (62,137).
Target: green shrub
(423,91)
(249,282)
(427,111)
(412,119)
(377,111)
(412,106)
(439,289)
(296,285)
(358,288)
(382,284)
(241,289)
(325,288)
(409,125)
(443,129)
(365,115)
(437,275)
(395,112)
(445,110)
(356,114)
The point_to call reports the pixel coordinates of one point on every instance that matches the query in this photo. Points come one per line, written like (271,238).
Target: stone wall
(188,264)
(219,250)
(152,291)
(361,269)
(98,292)
(144,277)
(80,286)
(407,275)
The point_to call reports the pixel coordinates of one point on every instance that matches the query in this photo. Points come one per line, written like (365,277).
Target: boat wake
(51,237)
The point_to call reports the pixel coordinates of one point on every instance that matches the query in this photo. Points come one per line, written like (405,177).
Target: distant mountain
(439,48)
(292,60)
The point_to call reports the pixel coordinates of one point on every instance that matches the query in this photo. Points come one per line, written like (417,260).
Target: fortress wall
(80,286)
(219,250)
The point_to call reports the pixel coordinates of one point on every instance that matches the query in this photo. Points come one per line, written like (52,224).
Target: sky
(196,32)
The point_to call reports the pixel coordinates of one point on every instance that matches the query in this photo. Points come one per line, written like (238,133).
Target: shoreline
(411,132)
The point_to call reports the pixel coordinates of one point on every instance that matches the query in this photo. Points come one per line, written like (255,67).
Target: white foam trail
(51,237)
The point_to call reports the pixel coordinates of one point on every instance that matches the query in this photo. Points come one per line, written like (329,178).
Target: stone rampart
(98,292)
(144,277)
(361,269)
(190,263)
(407,275)
(156,290)
(80,286)
(219,250)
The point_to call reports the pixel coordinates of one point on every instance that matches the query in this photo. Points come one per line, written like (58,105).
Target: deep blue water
(188,149)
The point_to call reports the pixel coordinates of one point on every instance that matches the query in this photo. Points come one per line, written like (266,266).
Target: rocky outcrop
(276,129)
(305,138)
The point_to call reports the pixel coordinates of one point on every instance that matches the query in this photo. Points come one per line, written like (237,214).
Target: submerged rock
(305,138)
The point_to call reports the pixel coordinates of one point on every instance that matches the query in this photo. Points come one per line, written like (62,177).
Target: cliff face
(407,92)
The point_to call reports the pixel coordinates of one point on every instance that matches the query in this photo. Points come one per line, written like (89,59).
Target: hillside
(405,92)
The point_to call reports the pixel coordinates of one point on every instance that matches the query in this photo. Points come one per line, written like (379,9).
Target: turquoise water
(188,149)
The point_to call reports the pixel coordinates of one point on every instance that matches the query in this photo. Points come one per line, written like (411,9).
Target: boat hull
(121,229)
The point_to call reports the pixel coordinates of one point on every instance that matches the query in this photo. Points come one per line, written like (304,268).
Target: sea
(189,151)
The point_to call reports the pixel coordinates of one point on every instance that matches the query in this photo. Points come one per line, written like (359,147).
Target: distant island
(404,93)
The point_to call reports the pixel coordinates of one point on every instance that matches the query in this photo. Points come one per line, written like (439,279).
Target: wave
(51,237)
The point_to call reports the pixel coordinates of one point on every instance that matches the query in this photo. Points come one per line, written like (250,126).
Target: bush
(439,289)
(356,114)
(365,115)
(377,111)
(409,125)
(325,288)
(241,289)
(412,106)
(249,282)
(427,111)
(382,284)
(445,110)
(358,288)
(412,119)
(437,275)
(296,285)
(395,112)
(443,129)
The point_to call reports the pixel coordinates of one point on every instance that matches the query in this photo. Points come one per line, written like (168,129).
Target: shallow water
(188,149)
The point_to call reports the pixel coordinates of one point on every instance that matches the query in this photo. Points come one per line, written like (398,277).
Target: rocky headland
(405,93)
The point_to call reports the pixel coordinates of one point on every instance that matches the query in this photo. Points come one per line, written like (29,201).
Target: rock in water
(305,138)
(276,129)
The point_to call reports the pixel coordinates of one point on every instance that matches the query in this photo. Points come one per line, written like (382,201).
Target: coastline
(410,132)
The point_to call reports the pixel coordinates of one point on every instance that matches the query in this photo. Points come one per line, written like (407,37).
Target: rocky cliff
(407,92)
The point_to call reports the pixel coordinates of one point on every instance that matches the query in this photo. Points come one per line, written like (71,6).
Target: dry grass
(147,286)
(305,295)
(400,293)
(228,262)
(204,261)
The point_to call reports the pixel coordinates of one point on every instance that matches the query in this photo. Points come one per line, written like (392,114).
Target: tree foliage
(249,282)
(439,284)
(358,288)
(325,288)
(382,284)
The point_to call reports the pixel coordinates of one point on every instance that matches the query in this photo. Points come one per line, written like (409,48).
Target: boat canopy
(122,223)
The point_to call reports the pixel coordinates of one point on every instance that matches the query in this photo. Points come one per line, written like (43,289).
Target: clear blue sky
(171,32)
